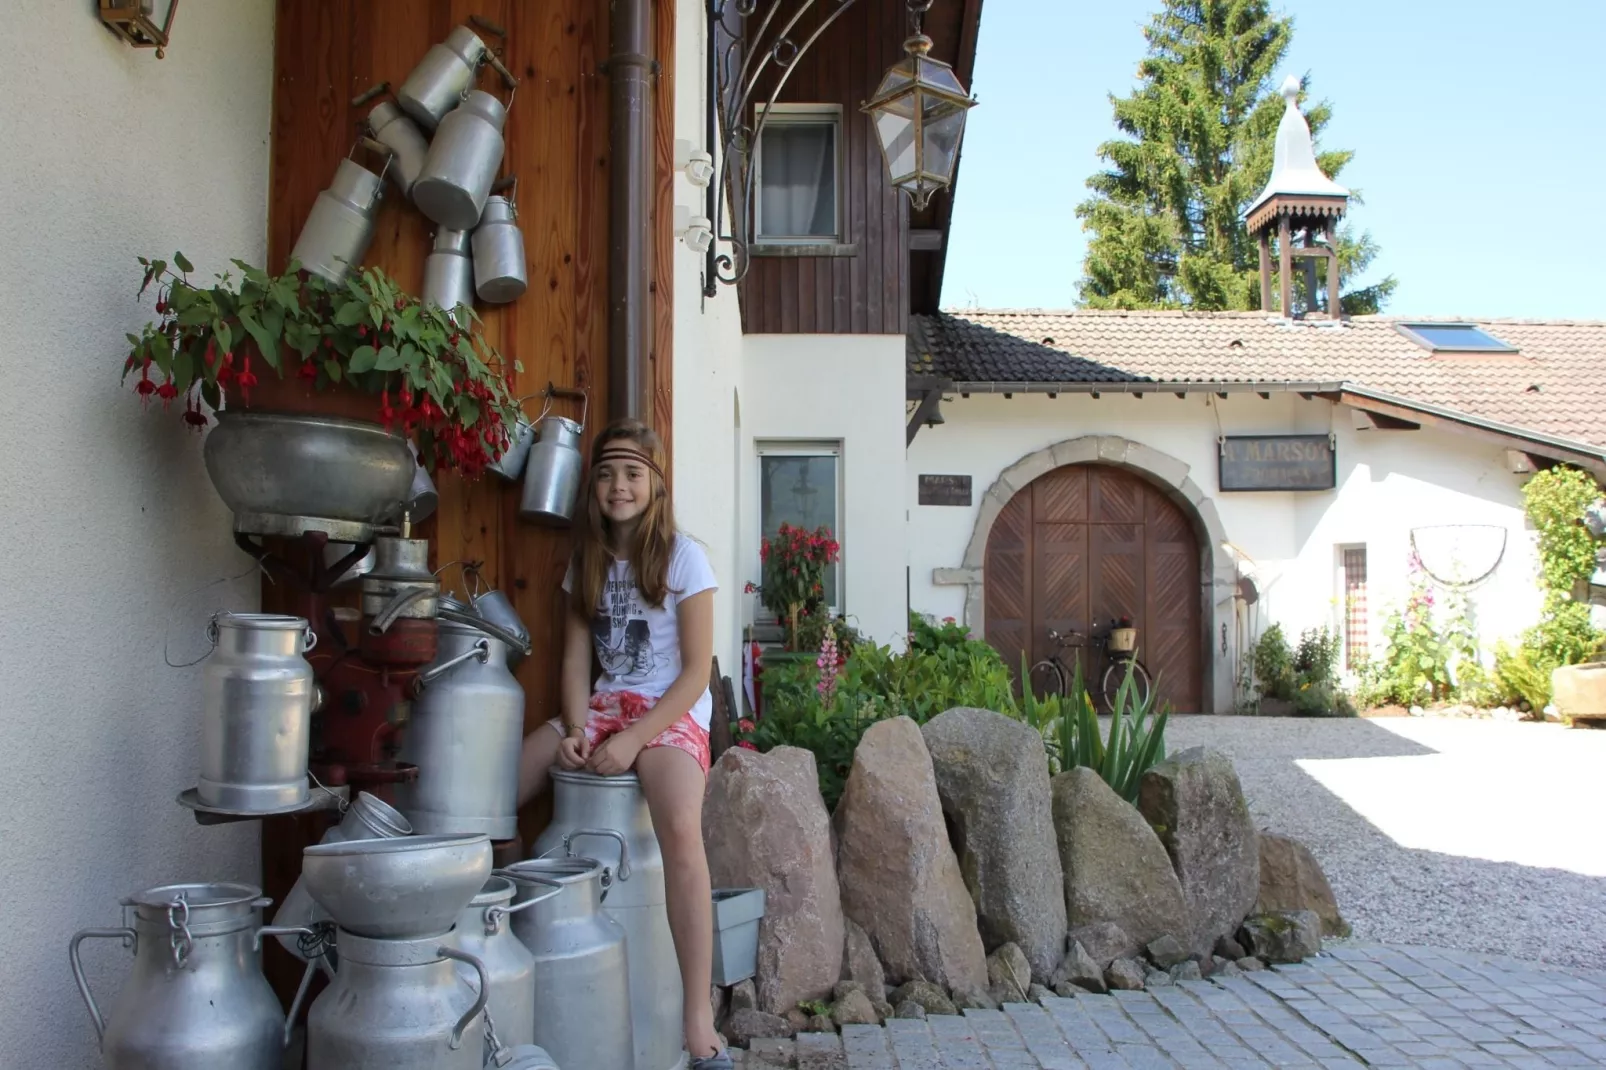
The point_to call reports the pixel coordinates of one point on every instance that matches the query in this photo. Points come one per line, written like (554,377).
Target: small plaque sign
(1278,462)
(944,490)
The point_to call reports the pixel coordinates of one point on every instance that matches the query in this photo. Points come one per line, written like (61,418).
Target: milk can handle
(480,650)
(624,851)
(301,989)
(494,915)
(387,616)
(479,1004)
(78,971)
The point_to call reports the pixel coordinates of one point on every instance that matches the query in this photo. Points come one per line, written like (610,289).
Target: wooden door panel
(1170,644)
(1059,590)
(1117,572)
(1060,497)
(1116,497)
(1008,587)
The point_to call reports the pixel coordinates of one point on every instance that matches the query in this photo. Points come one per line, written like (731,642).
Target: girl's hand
(616,754)
(574,751)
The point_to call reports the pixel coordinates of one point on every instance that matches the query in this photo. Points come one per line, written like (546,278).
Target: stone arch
(1218,576)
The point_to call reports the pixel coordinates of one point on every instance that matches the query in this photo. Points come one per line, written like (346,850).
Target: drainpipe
(630,73)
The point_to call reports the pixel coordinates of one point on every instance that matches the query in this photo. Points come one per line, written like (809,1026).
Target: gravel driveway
(1479,835)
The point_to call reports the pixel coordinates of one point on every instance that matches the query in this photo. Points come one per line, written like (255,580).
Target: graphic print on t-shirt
(622,634)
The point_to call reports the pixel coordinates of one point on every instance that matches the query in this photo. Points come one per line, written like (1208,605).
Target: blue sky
(1478,129)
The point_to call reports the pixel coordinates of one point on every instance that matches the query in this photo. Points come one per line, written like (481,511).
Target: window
(801,484)
(799,171)
(1356,645)
(1454,338)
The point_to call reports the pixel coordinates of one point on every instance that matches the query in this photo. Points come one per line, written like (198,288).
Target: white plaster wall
(1388,483)
(108,524)
(847,389)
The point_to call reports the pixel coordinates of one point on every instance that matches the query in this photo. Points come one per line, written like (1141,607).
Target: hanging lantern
(140,22)
(919,115)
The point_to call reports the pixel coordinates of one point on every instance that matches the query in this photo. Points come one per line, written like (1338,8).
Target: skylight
(1454,338)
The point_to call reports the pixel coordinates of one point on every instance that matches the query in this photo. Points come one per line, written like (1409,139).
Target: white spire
(1294,169)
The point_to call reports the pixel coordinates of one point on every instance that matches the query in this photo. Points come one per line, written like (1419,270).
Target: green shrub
(1522,677)
(1274,664)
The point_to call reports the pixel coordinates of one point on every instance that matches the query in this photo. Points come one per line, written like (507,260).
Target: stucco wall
(109,524)
(1388,483)
(847,389)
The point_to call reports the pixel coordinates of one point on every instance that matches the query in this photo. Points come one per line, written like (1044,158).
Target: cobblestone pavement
(1356,1005)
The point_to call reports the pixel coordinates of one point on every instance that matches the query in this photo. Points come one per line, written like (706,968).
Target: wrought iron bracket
(753,48)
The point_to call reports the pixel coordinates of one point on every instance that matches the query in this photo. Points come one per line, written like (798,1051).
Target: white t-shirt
(639,645)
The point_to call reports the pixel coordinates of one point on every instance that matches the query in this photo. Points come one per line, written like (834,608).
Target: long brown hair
(655,533)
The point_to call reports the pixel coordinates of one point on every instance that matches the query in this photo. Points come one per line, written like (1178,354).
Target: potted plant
(424,375)
(793,589)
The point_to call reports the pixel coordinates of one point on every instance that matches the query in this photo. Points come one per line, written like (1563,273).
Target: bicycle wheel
(1046,678)
(1115,673)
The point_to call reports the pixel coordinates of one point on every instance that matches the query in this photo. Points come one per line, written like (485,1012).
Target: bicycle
(1053,676)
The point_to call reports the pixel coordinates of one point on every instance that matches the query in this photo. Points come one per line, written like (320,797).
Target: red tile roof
(1555,384)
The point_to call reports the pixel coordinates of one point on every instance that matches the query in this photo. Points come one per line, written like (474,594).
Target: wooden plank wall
(327,51)
(867,293)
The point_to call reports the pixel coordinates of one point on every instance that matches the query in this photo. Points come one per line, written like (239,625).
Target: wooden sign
(944,490)
(1278,462)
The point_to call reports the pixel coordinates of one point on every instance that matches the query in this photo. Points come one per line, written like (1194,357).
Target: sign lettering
(944,490)
(1278,462)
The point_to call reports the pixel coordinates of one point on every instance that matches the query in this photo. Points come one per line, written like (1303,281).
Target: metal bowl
(325,468)
(398,889)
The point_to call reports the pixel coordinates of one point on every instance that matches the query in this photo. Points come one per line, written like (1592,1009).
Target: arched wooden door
(1088,543)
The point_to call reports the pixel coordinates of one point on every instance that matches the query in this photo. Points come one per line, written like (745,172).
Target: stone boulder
(992,777)
(852,1006)
(899,878)
(929,996)
(1292,879)
(974,998)
(1166,951)
(1282,936)
(1078,968)
(1186,971)
(747,1025)
(859,963)
(912,1010)
(1008,974)
(1194,802)
(1116,869)
(765,826)
(1125,975)
(1104,942)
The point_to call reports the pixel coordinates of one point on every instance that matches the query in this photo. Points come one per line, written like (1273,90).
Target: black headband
(613,452)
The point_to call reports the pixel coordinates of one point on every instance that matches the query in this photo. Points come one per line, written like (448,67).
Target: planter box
(737,912)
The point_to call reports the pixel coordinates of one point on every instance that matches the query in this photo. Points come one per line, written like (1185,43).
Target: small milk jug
(437,84)
(499,270)
(462,162)
(256,713)
(338,230)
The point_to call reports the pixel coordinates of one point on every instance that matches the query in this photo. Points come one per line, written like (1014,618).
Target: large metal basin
(320,467)
(397,889)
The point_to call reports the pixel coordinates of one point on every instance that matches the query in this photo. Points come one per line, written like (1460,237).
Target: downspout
(630,72)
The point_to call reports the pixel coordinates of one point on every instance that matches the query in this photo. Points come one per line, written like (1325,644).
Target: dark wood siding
(867,293)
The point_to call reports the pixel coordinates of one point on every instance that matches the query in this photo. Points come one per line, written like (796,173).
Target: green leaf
(410,356)
(468,412)
(183,370)
(198,313)
(331,368)
(518,366)
(183,264)
(266,343)
(349,314)
(211,394)
(376,312)
(389,360)
(362,360)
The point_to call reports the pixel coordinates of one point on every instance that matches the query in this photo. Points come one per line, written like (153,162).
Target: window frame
(1411,331)
(798,115)
(803,448)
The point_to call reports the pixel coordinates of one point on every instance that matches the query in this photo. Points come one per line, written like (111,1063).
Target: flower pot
(737,912)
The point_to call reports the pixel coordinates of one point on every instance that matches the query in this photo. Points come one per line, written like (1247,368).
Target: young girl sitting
(642,595)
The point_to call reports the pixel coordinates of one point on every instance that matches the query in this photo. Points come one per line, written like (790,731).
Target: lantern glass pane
(941,133)
(939,75)
(897,76)
(895,129)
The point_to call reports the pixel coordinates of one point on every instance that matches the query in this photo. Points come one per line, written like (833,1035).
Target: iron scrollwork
(749,49)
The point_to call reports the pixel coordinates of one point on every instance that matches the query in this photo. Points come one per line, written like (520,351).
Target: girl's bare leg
(674,783)
(540,753)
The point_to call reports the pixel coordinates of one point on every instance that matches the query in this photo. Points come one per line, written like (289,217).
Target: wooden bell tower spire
(1303,206)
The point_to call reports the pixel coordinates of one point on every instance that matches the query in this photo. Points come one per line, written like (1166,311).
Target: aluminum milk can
(400,584)
(510,465)
(580,969)
(448,271)
(394,130)
(437,84)
(256,712)
(368,818)
(465,734)
(338,230)
(462,162)
(499,269)
(552,472)
(587,812)
(398,1004)
(196,999)
(485,930)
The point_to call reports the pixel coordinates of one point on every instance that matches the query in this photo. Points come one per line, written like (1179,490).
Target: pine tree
(1166,217)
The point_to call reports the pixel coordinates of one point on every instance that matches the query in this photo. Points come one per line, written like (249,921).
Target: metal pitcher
(196,999)
(462,162)
(367,818)
(401,1005)
(466,728)
(438,82)
(256,712)
(580,970)
(338,230)
(589,810)
(495,608)
(500,274)
(485,930)
(400,583)
(510,465)
(394,130)
(448,271)
(552,472)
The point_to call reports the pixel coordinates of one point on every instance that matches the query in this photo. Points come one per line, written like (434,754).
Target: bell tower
(1303,206)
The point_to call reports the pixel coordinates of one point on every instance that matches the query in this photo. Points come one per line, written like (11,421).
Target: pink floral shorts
(614,711)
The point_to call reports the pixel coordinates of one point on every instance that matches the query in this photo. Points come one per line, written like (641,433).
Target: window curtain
(798,199)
